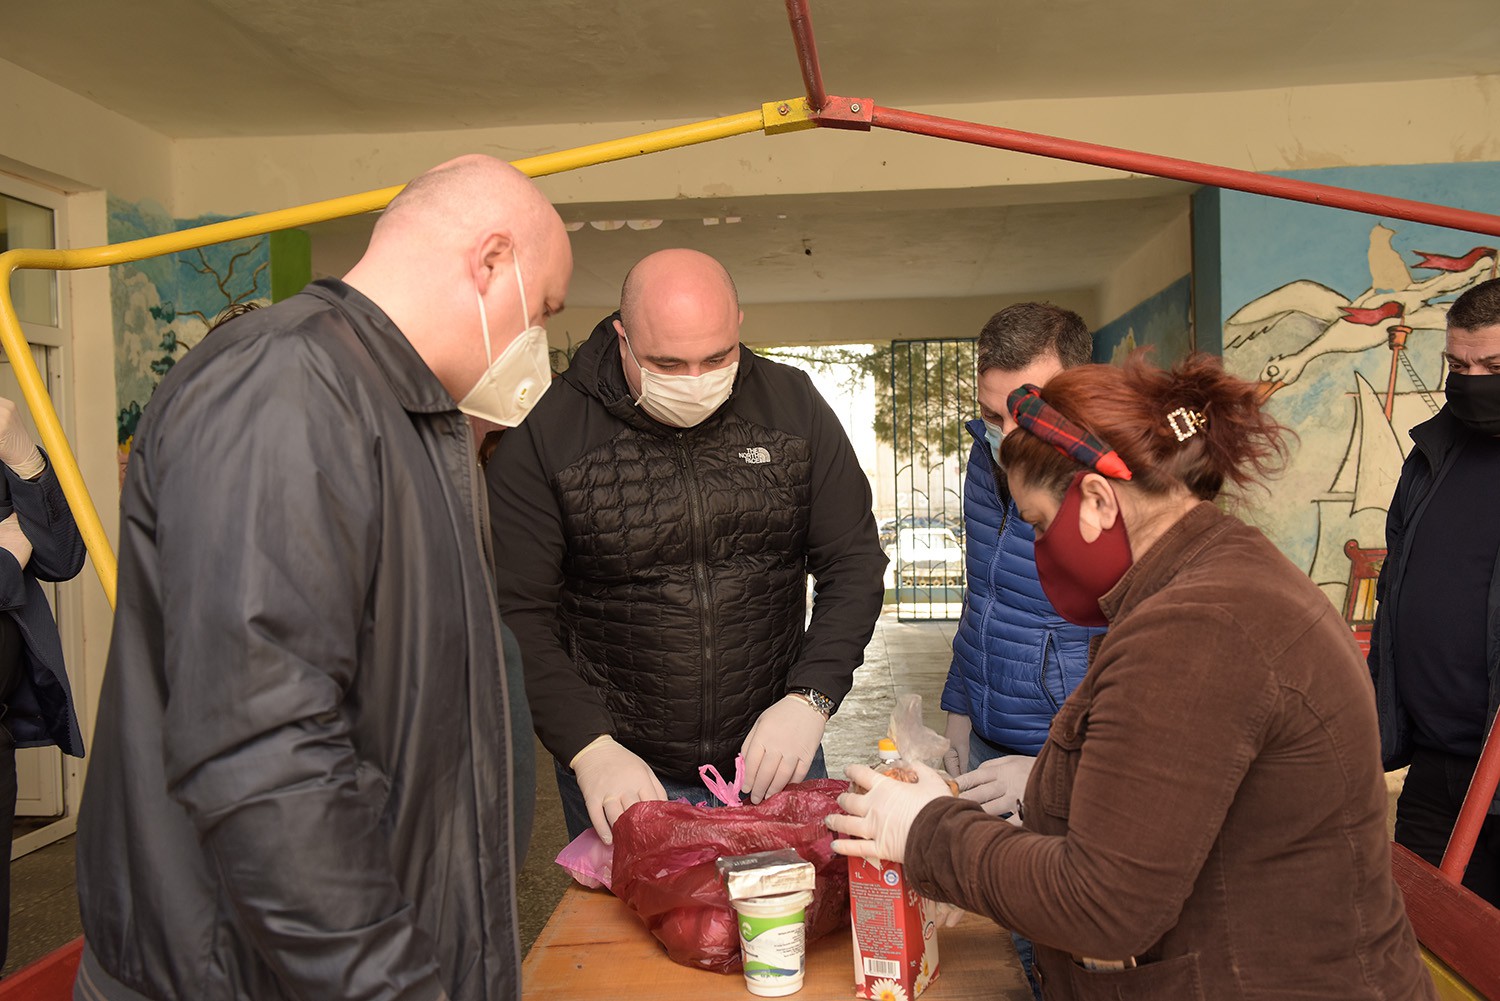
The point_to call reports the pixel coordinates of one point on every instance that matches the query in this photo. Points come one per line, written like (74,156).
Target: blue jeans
(576,813)
(980,751)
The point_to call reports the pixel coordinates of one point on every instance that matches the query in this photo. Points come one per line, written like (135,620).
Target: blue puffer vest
(1015,660)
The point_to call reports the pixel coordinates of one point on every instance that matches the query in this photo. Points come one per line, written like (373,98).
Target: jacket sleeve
(1149,797)
(844,558)
(269,532)
(527,526)
(57,549)
(1395,527)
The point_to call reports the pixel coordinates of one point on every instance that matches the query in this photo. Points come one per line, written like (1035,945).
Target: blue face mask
(994,436)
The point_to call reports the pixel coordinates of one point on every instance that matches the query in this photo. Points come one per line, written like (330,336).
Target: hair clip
(1191,422)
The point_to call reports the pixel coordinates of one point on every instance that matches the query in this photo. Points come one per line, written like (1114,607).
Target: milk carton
(895,940)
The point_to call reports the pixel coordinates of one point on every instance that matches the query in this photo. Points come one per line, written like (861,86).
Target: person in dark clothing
(301,785)
(1435,645)
(655,522)
(38,541)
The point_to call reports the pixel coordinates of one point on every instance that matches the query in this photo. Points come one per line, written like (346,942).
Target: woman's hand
(881,818)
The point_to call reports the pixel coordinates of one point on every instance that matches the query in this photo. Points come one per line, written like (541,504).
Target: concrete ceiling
(203,68)
(280,67)
(856,246)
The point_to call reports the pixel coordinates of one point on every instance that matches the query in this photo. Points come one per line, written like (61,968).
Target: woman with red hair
(1208,818)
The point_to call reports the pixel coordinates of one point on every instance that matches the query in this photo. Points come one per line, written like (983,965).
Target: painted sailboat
(1351,514)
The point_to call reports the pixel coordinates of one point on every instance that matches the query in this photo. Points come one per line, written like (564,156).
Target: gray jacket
(299,785)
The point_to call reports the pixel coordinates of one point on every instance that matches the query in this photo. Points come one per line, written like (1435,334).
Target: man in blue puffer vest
(1015,660)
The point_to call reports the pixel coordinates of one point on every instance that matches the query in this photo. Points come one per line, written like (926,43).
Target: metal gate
(932,386)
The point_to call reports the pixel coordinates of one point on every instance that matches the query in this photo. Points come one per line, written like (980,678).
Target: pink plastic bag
(588,860)
(664,867)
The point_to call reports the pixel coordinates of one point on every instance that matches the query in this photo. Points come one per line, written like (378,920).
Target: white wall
(1157,263)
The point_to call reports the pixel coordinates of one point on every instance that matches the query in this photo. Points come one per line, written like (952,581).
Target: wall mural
(1342,317)
(164,305)
(1161,322)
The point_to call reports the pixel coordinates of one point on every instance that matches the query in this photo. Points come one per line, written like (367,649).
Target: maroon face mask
(1075,574)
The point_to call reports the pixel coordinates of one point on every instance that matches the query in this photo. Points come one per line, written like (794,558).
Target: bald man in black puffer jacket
(655,519)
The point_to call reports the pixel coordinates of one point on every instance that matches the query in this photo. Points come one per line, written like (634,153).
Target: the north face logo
(756,456)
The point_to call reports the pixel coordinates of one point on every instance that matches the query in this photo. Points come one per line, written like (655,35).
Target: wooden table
(594,947)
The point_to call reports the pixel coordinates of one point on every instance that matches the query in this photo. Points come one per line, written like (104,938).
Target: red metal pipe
(1476,806)
(1185,170)
(807,53)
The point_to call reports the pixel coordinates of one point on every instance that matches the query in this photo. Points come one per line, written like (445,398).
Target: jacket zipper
(478,507)
(699,530)
(1047,692)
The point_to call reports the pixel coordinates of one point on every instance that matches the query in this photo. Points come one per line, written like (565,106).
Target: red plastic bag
(664,867)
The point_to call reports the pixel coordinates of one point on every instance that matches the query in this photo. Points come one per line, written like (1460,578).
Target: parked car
(927,557)
(890,526)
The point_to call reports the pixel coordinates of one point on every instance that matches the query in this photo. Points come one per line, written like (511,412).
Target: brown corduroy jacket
(1210,801)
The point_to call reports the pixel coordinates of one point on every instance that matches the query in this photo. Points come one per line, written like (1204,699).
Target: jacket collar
(413,383)
(1178,546)
(597,371)
(1435,437)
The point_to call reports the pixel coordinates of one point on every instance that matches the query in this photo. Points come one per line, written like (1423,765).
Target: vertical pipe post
(807,52)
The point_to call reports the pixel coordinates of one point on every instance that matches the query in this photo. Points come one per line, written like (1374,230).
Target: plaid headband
(1045,421)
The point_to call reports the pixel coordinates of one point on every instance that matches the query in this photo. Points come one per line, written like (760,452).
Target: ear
(619,329)
(1098,506)
(491,254)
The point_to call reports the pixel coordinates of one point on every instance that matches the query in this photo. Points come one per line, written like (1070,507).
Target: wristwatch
(814,698)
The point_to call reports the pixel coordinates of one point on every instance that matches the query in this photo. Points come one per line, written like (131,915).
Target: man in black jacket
(300,780)
(655,523)
(1435,648)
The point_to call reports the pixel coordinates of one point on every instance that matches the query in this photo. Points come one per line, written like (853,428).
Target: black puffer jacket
(656,576)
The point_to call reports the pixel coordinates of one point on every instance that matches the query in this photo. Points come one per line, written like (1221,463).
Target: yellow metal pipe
(34,389)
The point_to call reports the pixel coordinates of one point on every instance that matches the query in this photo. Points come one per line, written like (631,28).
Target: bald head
(669,273)
(679,315)
(470,193)
(449,247)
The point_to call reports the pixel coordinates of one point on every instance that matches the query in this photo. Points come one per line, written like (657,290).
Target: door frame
(69,609)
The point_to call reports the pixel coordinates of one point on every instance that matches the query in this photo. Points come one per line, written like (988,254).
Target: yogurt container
(773,942)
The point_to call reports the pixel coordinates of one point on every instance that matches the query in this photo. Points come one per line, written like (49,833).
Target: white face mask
(512,384)
(683,401)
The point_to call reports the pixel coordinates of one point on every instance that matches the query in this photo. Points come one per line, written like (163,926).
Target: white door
(28,218)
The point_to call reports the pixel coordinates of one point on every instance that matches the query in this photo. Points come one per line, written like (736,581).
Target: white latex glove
(781,746)
(13,539)
(17,450)
(613,778)
(956,761)
(943,914)
(881,818)
(998,785)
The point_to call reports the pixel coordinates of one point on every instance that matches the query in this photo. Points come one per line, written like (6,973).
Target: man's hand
(956,761)
(998,785)
(612,779)
(881,818)
(17,450)
(781,746)
(14,540)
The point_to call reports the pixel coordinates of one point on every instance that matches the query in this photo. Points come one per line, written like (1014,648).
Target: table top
(594,947)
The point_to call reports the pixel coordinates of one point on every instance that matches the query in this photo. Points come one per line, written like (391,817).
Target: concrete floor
(902,657)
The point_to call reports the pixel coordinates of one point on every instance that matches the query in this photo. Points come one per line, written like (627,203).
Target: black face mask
(1475,401)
